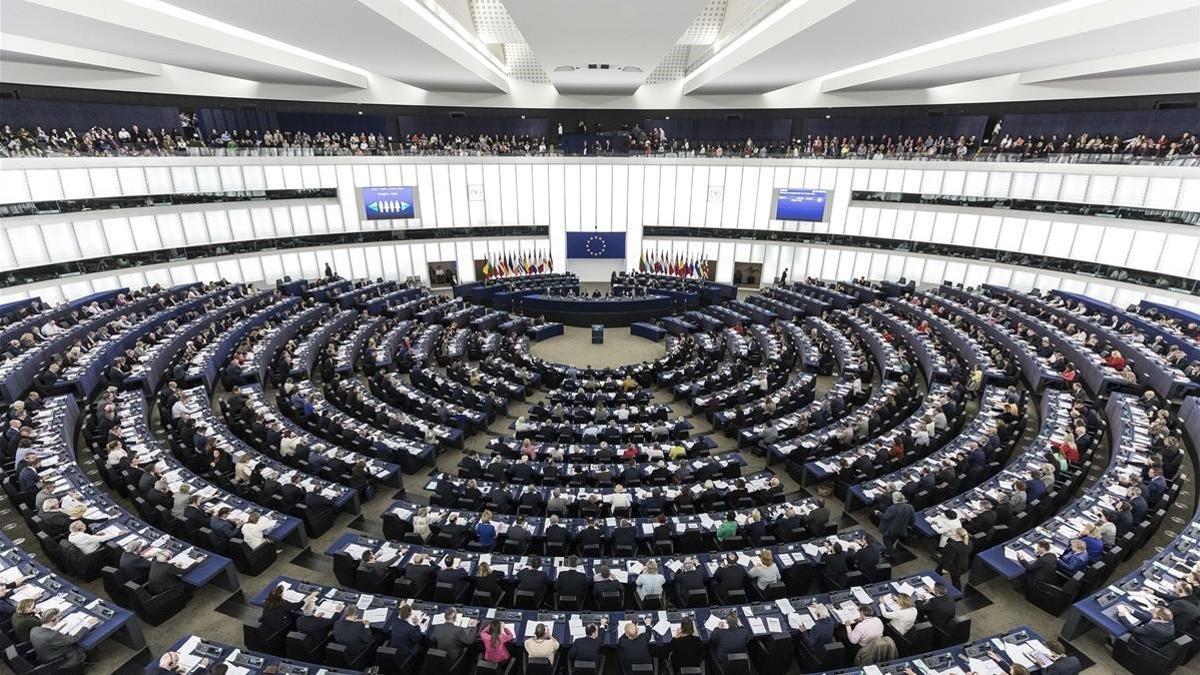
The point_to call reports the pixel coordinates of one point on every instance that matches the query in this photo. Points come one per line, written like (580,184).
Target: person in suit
(624,537)
(816,519)
(588,537)
(731,638)
(223,530)
(730,576)
(956,556)
(451,638)
(352,632)
(371,566)
(895,521)
(1155,486)
(406,634)
(1074,560)
(572,582)
(51,645)
(487,580)
(533,579)
(276,613)
(519,535)
(1042,568)
(1184,609)
(163,576)
(605,585)
(866,558)
(689,578)
(836,565)
(984,520)
(687,650)
(25,618)
(451,573)
(1060,662)
(419,571)
(1035,488)
(587,648)
(1155,633)
(634,646)
(132,565)
(313,626)
(938,609)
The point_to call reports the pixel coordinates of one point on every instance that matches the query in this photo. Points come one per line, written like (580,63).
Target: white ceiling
(661,53)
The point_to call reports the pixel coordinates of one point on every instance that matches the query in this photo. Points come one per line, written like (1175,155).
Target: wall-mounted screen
(386,203)
(800,204)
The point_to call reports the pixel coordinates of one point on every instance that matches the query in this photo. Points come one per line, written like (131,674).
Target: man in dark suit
(1061,663)
(731,638)
(317,502)
(1035,488)
(866,558)
(521,473)
(406,635)
(837,565)
(54,522)
(314,627)
(450,638)
(816,519)
(730,576)
(983,521)
(624,537)
(370,566)
(1184,608)
(588,537)
(534,580)
(791,521)
(452,574)
(586,648)
(1155,486)
(51,645)
(453,530)
(606,585)
(291,491)
(419,571)
(939,609)
(556,534)
(663,530)
(221,528)
(895,521)
(164,577)
(1155,633)
(352,632)
(688,579)
(132,565)
(1042,567)
(571,581)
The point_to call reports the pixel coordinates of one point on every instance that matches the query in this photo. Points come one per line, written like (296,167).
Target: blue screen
(595,244)
(796,204)
(385,203)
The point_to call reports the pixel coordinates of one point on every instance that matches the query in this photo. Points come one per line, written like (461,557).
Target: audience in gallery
(135,139)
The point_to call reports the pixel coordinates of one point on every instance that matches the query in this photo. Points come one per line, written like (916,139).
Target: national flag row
(517,263)
(676,264)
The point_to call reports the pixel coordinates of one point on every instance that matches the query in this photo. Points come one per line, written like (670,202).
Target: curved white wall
(572,194)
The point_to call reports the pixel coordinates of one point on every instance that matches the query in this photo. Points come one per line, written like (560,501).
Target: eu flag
(595,244)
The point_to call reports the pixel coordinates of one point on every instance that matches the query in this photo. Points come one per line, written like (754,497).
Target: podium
(597,333)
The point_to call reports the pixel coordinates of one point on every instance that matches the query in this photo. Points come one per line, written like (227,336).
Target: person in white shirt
(116,454)
(421,524)
(79,536)
(939,420)
(177,409)
(867,628)
(288,444)
(242,470)
(904,616)
(254,531)
(618,499)
(650,582)
(947,525)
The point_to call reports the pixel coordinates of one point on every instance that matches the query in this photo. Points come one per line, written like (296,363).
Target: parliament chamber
(514,337)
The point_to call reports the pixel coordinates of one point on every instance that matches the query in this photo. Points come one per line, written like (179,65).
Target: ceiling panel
(616,32)
(1166,30)
(348,31)
(36,21)
(864,31)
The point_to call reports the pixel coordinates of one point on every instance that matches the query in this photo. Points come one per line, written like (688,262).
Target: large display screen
(800,204)
(385,203)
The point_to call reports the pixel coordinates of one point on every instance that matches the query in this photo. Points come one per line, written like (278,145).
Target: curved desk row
(585,311)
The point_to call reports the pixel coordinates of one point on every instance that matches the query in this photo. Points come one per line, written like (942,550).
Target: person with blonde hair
(765,572)
(650,581)
(903,617)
